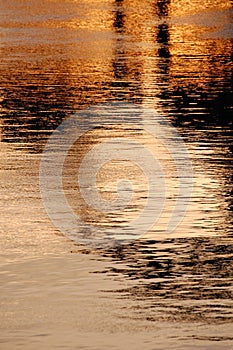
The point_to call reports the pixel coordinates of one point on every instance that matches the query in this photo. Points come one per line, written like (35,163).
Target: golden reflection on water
(58,57)
(67,55)
(184,7)
(149,51)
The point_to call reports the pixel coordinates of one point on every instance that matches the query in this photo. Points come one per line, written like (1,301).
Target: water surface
(58,58)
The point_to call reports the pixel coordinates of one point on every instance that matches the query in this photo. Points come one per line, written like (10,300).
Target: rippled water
(158,292)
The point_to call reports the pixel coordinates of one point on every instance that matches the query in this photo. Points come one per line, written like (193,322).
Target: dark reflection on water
(177,279)
(147,52)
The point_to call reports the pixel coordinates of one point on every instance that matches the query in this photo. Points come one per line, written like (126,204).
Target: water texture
(158,292)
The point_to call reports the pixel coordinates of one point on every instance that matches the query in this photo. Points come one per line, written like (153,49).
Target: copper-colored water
(60,57)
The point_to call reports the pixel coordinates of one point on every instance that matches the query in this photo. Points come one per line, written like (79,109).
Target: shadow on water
(176,279)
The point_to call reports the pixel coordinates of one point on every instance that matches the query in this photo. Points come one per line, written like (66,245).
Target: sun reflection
(186,7)
(114,171)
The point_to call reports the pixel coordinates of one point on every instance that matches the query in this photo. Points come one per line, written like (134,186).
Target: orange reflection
(60,56)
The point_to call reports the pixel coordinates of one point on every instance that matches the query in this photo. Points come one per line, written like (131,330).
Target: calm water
(158,292)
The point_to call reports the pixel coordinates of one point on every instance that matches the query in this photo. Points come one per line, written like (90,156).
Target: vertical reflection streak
(126,67)
(163,40)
